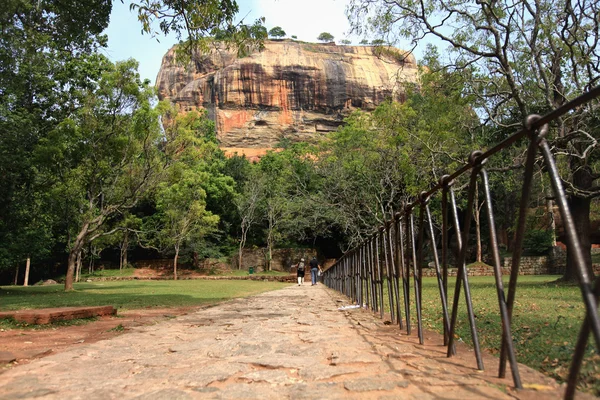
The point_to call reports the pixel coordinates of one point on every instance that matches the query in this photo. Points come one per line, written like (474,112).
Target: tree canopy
(277,32)
(325,37)
(518,58)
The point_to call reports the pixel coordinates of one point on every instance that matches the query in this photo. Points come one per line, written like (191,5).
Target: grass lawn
(546,321)
(109,273)
(132,294)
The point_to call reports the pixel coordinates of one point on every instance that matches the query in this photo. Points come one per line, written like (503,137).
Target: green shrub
(537,241)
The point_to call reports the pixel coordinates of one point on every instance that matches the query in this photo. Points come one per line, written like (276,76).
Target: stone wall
(552,264)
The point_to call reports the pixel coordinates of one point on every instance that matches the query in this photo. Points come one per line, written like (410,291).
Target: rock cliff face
(289,90)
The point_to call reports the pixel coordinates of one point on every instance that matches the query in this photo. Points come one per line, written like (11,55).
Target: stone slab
(44,316)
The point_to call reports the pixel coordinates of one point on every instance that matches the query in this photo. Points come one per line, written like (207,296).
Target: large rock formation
(289,90)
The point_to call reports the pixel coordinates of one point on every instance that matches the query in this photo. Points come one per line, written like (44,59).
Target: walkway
(291,343)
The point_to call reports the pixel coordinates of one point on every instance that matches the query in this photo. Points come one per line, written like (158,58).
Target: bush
(537,241)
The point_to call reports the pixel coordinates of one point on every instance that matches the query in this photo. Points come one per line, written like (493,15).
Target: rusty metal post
(405,271)
(372,275)
(397,270)
(462,269)
(506,331)
(438,273)
(519,236)
(379,272)
(580,347)
(444,182)
(387,245)
(416,279)
(585,281)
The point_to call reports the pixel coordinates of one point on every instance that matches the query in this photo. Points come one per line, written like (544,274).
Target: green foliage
(181,197)
(41,85)
(364,42)
(277,32)
(200,21)
(346,42)
(81,143)
(538,241)
(512,68)
(378,42)
(100,161)
(378,161)
(294,37)
(325,37)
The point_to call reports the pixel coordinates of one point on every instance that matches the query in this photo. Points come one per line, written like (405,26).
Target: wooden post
(27,265)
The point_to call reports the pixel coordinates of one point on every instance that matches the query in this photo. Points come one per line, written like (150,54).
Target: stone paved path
(291,343)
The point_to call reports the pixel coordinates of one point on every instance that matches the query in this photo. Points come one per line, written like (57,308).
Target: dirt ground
(29,344)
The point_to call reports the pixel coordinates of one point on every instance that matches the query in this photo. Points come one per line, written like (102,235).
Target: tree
(277,32)
(198,22)
(379,161)
(182,216)
(46,63)
(522,58)
(294,37)
(49,65)
(364,42)
(277,194)
(378,42)
(248,205)
(325,37)
(181,210)
(346,42)
(104,158)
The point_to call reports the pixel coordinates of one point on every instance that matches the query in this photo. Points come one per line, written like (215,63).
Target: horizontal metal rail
(395,252)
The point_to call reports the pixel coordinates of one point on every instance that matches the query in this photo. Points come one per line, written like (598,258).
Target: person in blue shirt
(314,270)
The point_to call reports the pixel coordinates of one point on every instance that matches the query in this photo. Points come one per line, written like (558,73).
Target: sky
(305,19)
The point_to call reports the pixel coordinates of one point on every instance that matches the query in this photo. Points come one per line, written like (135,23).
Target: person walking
(300,268)
(314,270)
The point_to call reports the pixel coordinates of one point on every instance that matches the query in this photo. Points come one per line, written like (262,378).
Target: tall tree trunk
(27,266)
(175,262)
(71,263)
(16,275)
(241,248)
(124,245)
(91,263)
(78,266)
(580,209)
(269,255)
(72,260)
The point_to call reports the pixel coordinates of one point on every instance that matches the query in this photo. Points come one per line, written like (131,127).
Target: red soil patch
(28,344)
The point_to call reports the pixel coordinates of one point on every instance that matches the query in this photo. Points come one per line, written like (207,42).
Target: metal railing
(393,249)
